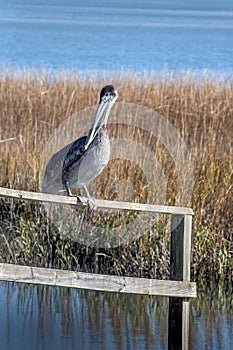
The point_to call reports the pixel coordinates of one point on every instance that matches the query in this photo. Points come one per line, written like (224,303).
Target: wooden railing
(178,287)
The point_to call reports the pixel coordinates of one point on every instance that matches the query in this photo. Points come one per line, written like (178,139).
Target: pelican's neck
(100,121)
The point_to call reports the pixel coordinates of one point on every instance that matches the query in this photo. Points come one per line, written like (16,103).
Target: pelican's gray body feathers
(80,167)
(52,181)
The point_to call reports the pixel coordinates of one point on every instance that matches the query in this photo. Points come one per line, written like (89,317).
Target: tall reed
(33,104)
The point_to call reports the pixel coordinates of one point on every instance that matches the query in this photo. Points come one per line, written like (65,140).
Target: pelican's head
(108,93)
(108,97)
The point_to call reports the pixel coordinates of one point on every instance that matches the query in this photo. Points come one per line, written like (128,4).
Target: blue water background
(139,35)
(45,317)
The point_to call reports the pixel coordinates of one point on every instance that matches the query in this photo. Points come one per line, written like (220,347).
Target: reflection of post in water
(178,323)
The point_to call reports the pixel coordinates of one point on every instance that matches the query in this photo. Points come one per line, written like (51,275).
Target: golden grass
(32,105)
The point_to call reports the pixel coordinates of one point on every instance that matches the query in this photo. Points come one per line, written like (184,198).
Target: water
(142,35)
(43,317)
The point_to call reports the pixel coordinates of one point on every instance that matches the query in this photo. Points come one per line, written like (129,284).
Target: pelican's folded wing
(52,181)
(74,154)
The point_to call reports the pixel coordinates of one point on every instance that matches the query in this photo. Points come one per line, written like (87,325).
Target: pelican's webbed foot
(90,201)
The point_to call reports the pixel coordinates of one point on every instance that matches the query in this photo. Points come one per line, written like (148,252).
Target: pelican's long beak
(101,116)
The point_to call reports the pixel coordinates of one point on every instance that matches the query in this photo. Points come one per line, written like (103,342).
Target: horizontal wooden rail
(178,286)
(101,204)
(92,281)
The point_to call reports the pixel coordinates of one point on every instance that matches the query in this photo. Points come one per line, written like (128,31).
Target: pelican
(87,156)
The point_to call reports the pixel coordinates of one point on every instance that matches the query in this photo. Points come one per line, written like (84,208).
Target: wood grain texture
(120,284)
(187,247)
(101,204)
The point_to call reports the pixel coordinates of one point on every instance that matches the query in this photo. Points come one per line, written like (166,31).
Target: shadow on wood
(178,319)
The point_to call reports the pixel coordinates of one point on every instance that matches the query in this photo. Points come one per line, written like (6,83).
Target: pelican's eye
(107,96)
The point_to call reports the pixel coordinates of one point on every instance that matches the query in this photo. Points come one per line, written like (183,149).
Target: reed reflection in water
(211,317)
(44,317)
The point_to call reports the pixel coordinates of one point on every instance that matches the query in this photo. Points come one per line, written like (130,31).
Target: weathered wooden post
(180,259)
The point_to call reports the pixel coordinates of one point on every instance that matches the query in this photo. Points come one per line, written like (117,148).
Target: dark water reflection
(43,317)
(212,318)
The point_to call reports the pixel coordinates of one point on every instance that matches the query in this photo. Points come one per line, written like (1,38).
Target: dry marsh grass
(32,105)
